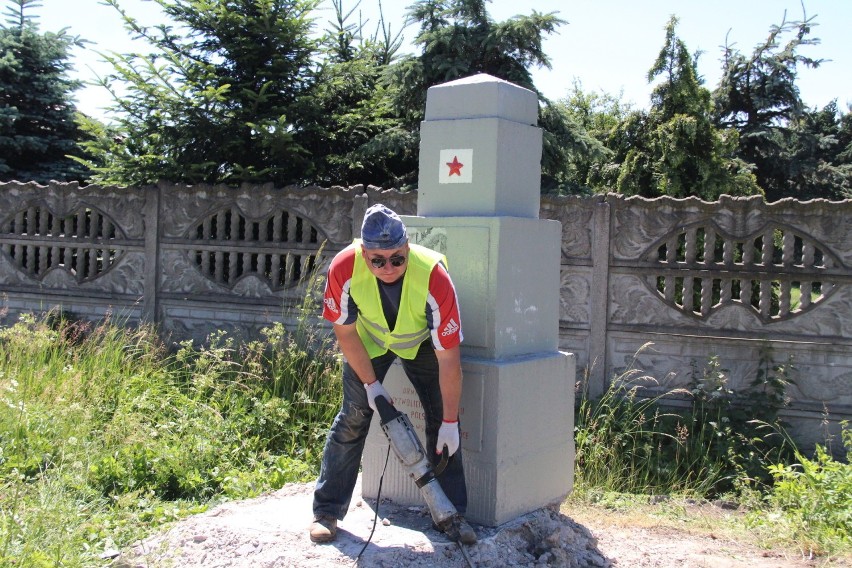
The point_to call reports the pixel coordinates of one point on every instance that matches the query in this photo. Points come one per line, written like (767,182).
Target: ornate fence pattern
(704,269)
(735,279)
(85,242)
(275,254)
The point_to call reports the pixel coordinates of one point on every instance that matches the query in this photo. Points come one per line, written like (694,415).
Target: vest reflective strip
(376,326)
(406,341)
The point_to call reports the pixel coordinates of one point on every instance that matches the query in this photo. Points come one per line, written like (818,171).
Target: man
(387,299)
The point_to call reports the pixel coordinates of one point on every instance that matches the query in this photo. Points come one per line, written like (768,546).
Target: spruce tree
(757,95)
(458,39)
(820,164)
(675,149)
(38,129)
(216,99)
(349,103)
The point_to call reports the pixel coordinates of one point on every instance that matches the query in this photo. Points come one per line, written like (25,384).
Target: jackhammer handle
(387,412)
(445,458)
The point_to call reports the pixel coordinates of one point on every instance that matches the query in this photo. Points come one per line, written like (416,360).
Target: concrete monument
(478,203)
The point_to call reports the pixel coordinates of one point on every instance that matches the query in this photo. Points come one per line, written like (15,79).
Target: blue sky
(608,45)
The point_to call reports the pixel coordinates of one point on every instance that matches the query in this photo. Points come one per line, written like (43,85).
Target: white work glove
(448,436)
(375,389)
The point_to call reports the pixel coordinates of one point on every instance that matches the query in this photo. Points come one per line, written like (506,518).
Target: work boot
(457,529)
(323,529)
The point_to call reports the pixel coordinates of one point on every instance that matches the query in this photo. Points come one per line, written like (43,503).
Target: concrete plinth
(517,436)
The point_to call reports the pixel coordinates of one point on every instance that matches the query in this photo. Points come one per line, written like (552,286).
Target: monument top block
(480,150)
(482,96)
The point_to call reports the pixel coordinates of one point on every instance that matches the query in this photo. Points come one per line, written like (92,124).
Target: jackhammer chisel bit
(409,450)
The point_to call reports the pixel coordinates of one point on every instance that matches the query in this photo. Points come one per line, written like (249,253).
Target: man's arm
(450,380)
(354,351)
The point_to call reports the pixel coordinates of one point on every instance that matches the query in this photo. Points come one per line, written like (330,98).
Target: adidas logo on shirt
(331,304)
(450,328)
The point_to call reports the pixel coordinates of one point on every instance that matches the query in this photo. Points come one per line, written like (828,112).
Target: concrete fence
(738,280)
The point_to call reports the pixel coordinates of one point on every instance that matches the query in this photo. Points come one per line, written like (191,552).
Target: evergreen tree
(758,97)
(217,99)
(598,115)
(844,156)
(349,105)
(675,149)
(38,130)
(820,155)
(844,150)
(458,39)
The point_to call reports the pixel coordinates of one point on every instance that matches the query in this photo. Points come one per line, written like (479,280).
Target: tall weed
(741,432)
(696,441)
(619,439)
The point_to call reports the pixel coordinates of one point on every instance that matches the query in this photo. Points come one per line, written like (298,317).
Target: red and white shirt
(442,306)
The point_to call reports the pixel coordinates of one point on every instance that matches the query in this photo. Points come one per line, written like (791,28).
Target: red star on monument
(455,166)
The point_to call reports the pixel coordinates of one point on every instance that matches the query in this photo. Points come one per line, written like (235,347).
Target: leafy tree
(599,116)
(458,38)
(758,97)
(217,98)
(349,105)
(38,130)
(675,149)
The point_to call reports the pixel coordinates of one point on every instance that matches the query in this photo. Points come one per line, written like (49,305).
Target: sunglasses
(396,260)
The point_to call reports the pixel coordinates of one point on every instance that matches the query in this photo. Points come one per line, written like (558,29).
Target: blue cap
(382,229)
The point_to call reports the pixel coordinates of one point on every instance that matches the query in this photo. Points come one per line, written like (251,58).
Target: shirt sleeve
(338,305)
(442,310)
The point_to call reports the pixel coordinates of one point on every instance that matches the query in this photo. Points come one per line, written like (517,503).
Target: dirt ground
(645,540)
(271,532)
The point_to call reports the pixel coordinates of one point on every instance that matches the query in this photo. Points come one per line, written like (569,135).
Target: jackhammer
(408,448)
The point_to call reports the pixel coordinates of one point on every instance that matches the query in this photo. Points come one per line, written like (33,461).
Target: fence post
(599,300)
(151,283)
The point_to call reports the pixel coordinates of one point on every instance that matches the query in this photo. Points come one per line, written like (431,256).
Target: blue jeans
(345,442)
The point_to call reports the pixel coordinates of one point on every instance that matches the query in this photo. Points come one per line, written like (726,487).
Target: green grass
(796,296)
(105,435)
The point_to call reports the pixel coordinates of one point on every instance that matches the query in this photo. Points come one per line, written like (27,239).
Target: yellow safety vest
(410,329)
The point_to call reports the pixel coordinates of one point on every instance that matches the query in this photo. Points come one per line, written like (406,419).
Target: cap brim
(374,245)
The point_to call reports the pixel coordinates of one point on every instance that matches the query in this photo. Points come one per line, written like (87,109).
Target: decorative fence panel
(86,245)
(750,284)
(239,258)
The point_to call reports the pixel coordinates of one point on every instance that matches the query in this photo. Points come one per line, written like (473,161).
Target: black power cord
(440,468)
(378,500)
